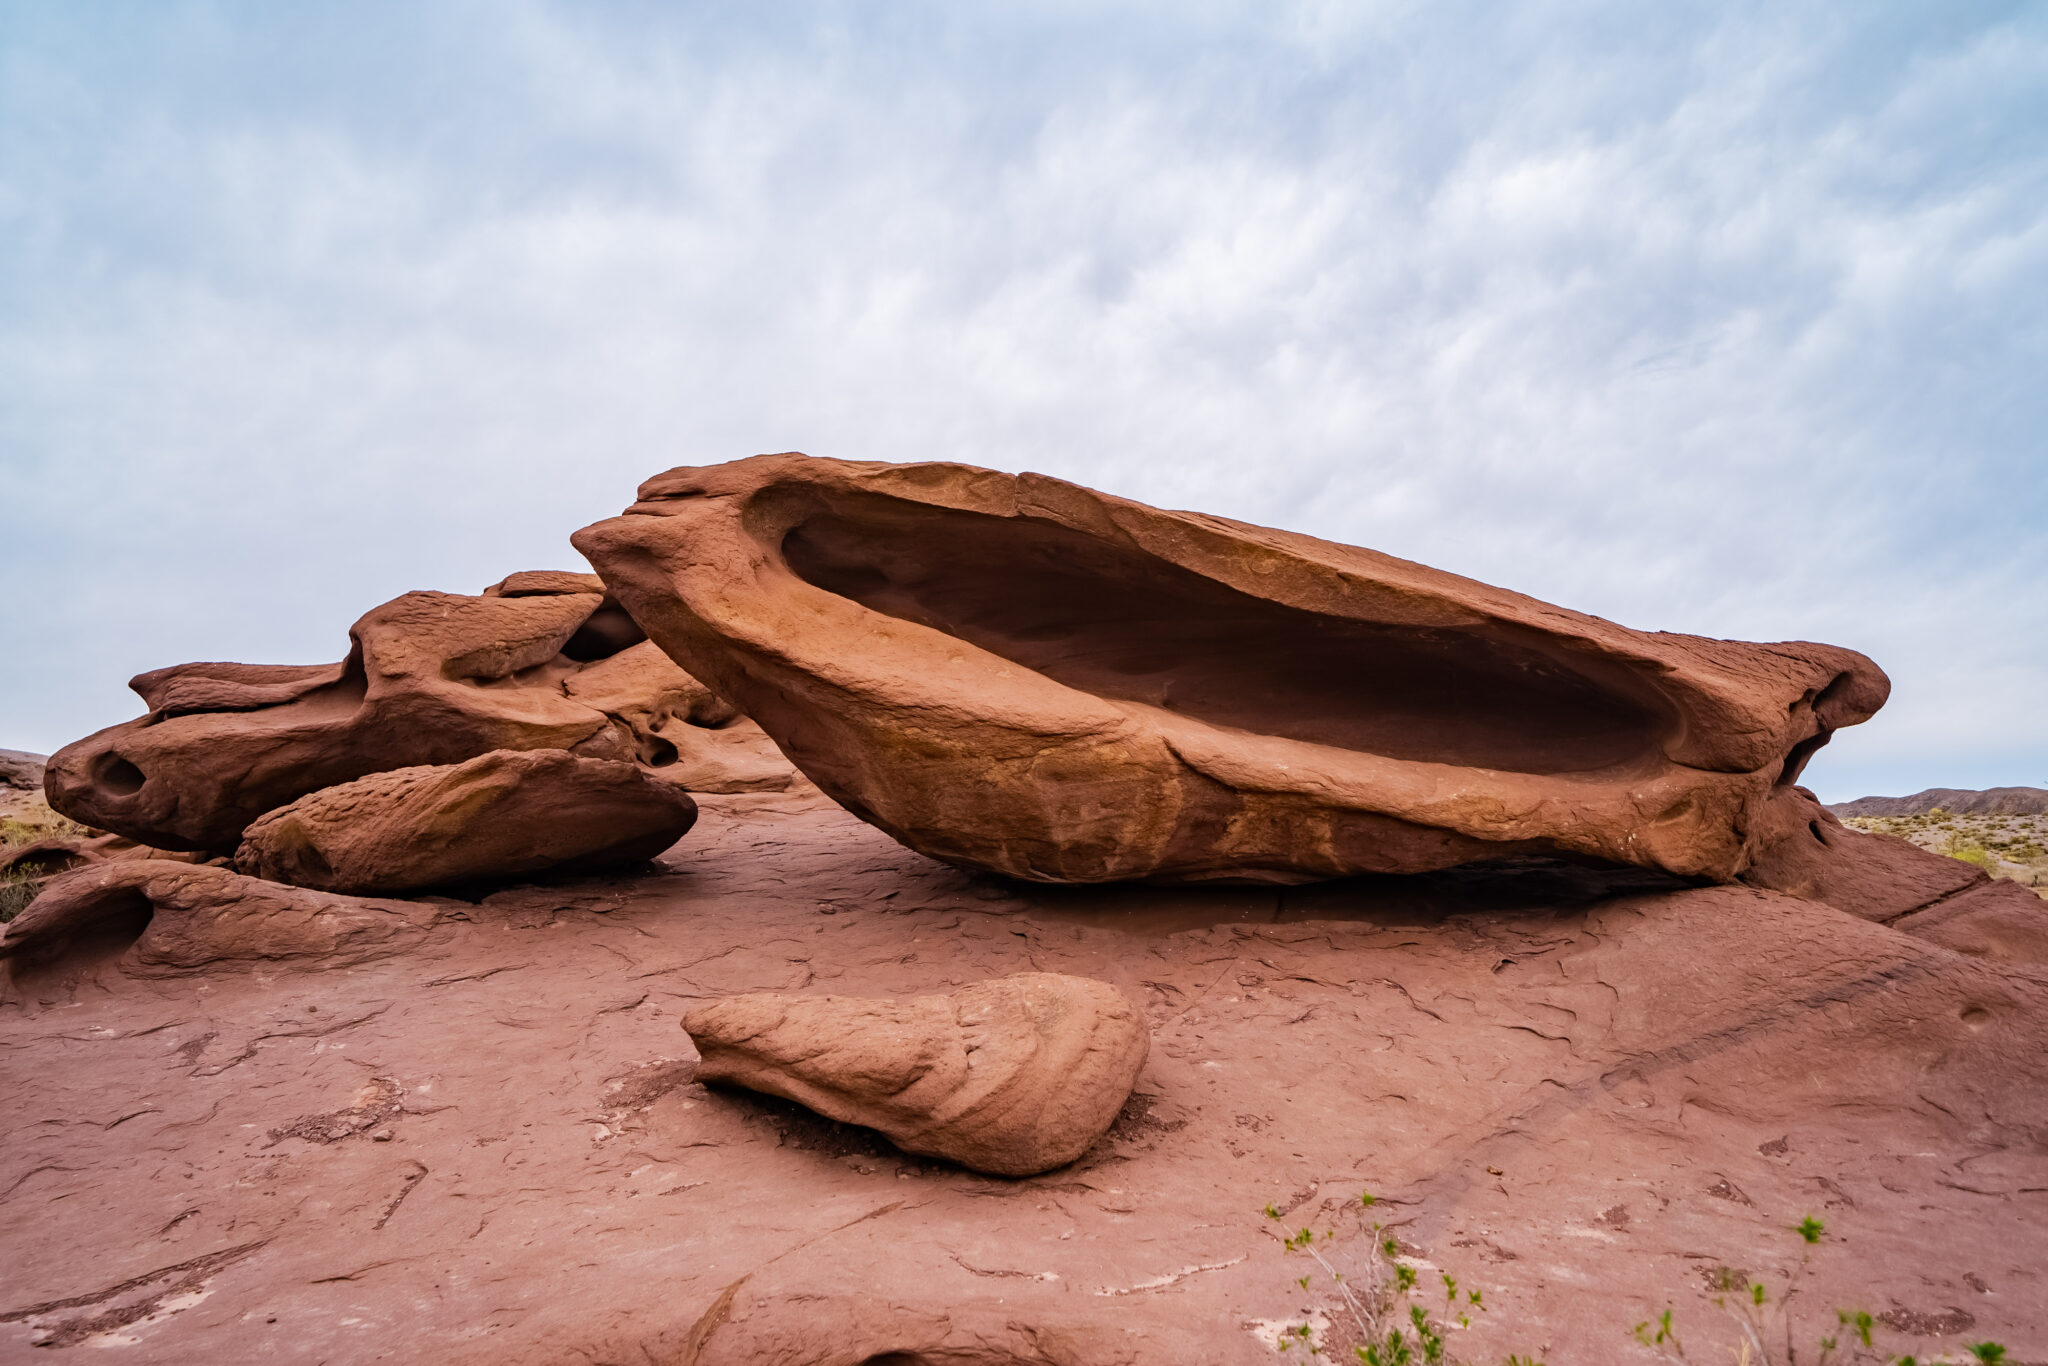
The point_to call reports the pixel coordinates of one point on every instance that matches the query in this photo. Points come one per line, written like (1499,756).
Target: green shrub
(16,891)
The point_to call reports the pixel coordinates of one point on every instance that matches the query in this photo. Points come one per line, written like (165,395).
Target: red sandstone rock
(47,857)
(1994,919)
(1013,1077)
(1504,1060)
(540,662)
(155,918)
(1021,675)
(1803,850)
(510,813)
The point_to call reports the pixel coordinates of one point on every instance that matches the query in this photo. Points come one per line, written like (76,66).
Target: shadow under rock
(1514,886)
(805,1131)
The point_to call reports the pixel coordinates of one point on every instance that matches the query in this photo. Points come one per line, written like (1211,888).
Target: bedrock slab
(1577,1090)
(1013,1077)
(1020,675)
(540,661)
(506,814)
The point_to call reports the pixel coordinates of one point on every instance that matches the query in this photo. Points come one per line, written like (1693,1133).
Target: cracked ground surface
(1585,1096)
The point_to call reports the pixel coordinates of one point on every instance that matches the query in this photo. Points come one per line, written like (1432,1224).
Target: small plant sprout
(1989,1353)
(1661,1334)
(1392,1323)
(1745,1300)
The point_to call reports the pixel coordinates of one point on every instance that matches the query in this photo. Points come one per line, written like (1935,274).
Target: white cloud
(1731,327)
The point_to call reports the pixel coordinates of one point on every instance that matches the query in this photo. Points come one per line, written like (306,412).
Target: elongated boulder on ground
(1013,1076)
(510,813)
(541,661)
(155,918)
(1017,674)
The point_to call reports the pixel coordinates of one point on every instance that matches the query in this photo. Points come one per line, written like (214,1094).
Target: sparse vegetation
(1396,1321)
(16,891)
(19,887)
(16,831)
(1763,1323)
(2013,847)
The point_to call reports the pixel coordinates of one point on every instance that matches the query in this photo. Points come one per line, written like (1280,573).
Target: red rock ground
(1584,1096)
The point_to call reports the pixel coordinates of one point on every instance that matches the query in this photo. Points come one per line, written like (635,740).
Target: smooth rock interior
(1116,622)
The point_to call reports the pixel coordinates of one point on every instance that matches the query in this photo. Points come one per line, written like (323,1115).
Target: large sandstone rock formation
(509,813)
(1012,1077)
(542,661)
(1017,674)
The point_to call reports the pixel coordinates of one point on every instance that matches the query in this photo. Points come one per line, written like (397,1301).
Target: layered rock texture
(156,918)
(1013,1077)
(1579,1090)
(541,661)
(1016,674)
(506,814)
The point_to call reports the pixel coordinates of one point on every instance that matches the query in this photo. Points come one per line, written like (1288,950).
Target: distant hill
(1992,801)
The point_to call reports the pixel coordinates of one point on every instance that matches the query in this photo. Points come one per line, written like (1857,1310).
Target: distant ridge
(1992,801)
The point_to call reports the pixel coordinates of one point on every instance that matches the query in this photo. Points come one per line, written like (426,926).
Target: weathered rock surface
(1992,919)
(20,769)
(1990,801)
(21,788)
(540,661)
(509,813)
(1803,850)
(1020,675)
(1013,1077)
(43,858)
(1573,1088)
(155,918)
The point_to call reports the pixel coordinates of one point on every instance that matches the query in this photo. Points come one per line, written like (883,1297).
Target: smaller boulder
(506,814)
(20,769)
(1012,1077)
(156,918)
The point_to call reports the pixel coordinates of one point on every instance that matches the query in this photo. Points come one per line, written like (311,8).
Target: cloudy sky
(1729,318)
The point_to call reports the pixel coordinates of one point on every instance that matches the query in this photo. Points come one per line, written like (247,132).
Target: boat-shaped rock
(1017,674)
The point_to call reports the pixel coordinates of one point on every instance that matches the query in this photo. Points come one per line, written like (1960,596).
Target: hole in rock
(1796,757)
(1114,621)
(69,951)
(608,631)
(117,776)
(656,752)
